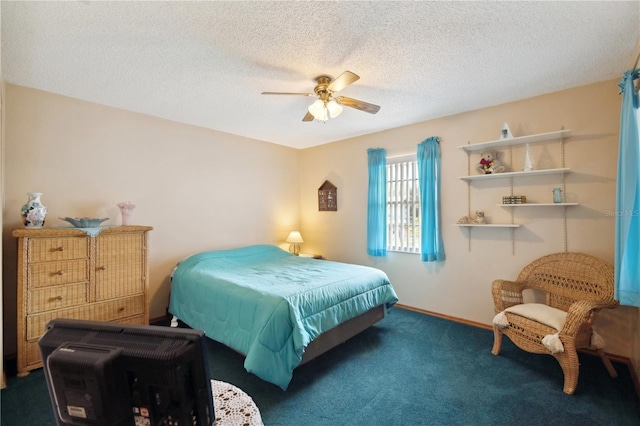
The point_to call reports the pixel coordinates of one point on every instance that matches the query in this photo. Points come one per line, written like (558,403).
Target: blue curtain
(377,203)
(432,247)
(627,258)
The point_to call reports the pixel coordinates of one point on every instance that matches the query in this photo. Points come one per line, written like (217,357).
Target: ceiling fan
(327,105)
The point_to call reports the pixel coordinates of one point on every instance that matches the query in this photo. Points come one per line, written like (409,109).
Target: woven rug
(233,407)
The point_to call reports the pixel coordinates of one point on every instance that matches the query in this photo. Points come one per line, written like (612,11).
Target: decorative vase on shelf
(528,162)
(126,209)
(34,212)
(557,195)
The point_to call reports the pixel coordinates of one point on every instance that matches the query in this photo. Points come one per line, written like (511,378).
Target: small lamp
(295,239)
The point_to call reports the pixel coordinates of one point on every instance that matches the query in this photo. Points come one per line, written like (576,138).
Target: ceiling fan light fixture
(326,105)
(319,110)
(323,116)
(335,109)
(316,108)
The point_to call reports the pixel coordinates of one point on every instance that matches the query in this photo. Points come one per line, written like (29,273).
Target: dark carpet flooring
(410,369)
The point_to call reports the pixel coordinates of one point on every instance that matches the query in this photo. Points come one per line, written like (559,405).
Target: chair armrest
(506,293)
(581,312)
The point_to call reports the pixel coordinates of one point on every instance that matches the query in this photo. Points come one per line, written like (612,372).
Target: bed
(277,309)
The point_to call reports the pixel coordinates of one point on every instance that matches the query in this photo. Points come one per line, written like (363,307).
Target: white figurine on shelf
(127,210)
(528,161)
(506,132)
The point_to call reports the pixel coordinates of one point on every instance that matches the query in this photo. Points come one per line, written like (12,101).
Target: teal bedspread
(268,304)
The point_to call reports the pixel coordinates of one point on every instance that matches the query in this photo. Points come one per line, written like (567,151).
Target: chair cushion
(548,316)
(541,313)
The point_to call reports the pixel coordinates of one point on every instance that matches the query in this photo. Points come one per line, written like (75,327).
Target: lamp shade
(295,237)
(334,108)
(317,108)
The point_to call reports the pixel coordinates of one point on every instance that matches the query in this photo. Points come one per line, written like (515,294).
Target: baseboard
(447,317)
(613,357)
(622,360)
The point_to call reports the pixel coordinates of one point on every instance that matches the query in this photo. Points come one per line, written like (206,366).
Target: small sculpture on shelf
(474,219)
(528,161)
(489,163)
(506,132)
(126,209)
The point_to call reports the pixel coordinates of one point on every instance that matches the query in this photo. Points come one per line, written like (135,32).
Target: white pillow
(541,313)
(549,316)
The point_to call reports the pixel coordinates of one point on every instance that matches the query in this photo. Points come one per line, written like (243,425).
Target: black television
(101,373)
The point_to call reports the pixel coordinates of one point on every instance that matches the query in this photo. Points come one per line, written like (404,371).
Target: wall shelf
(538,205)
(540,137)
(489,225)
(520,140)
(562,170)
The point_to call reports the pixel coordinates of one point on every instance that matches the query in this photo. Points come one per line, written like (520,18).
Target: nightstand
(311,256)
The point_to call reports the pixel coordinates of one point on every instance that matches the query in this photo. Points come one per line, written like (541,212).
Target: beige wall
(460,286)
(198,188)
(202,189)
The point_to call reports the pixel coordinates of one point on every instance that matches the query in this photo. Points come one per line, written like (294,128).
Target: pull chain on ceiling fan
(327,105)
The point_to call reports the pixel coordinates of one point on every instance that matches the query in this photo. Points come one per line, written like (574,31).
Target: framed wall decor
(327,197)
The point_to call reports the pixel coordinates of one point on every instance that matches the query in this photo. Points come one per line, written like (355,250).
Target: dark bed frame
(341,333)
(336,336)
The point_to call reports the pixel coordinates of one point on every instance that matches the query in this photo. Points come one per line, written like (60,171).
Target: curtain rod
(406,147)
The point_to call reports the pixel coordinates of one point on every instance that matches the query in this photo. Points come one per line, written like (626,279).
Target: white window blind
(403,205)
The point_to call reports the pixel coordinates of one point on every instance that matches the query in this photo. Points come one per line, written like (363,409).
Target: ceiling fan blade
(288,93)
(354,103)
(308,117)
(343,80)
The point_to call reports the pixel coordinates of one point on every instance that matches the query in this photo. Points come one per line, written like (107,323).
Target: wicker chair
(576,286)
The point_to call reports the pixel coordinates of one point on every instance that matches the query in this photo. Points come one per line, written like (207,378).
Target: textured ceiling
(206,63)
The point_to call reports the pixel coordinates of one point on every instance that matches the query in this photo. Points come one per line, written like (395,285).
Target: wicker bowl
(83,222)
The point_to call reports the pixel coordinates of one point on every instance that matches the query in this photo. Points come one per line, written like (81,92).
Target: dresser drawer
(57,297)
(137,320)
(57,248)
(103,311)
(117,309)
(57,273)
(36,324)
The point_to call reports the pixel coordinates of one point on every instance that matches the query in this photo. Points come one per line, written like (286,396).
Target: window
(403,205)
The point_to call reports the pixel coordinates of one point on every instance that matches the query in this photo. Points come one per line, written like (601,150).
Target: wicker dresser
(65,273)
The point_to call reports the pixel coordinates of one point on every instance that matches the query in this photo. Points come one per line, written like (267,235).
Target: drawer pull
(101,268)
(59,248)
(60,272)
(58,297)
(121,309)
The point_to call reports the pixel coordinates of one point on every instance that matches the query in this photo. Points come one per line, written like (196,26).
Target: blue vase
(34,212)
